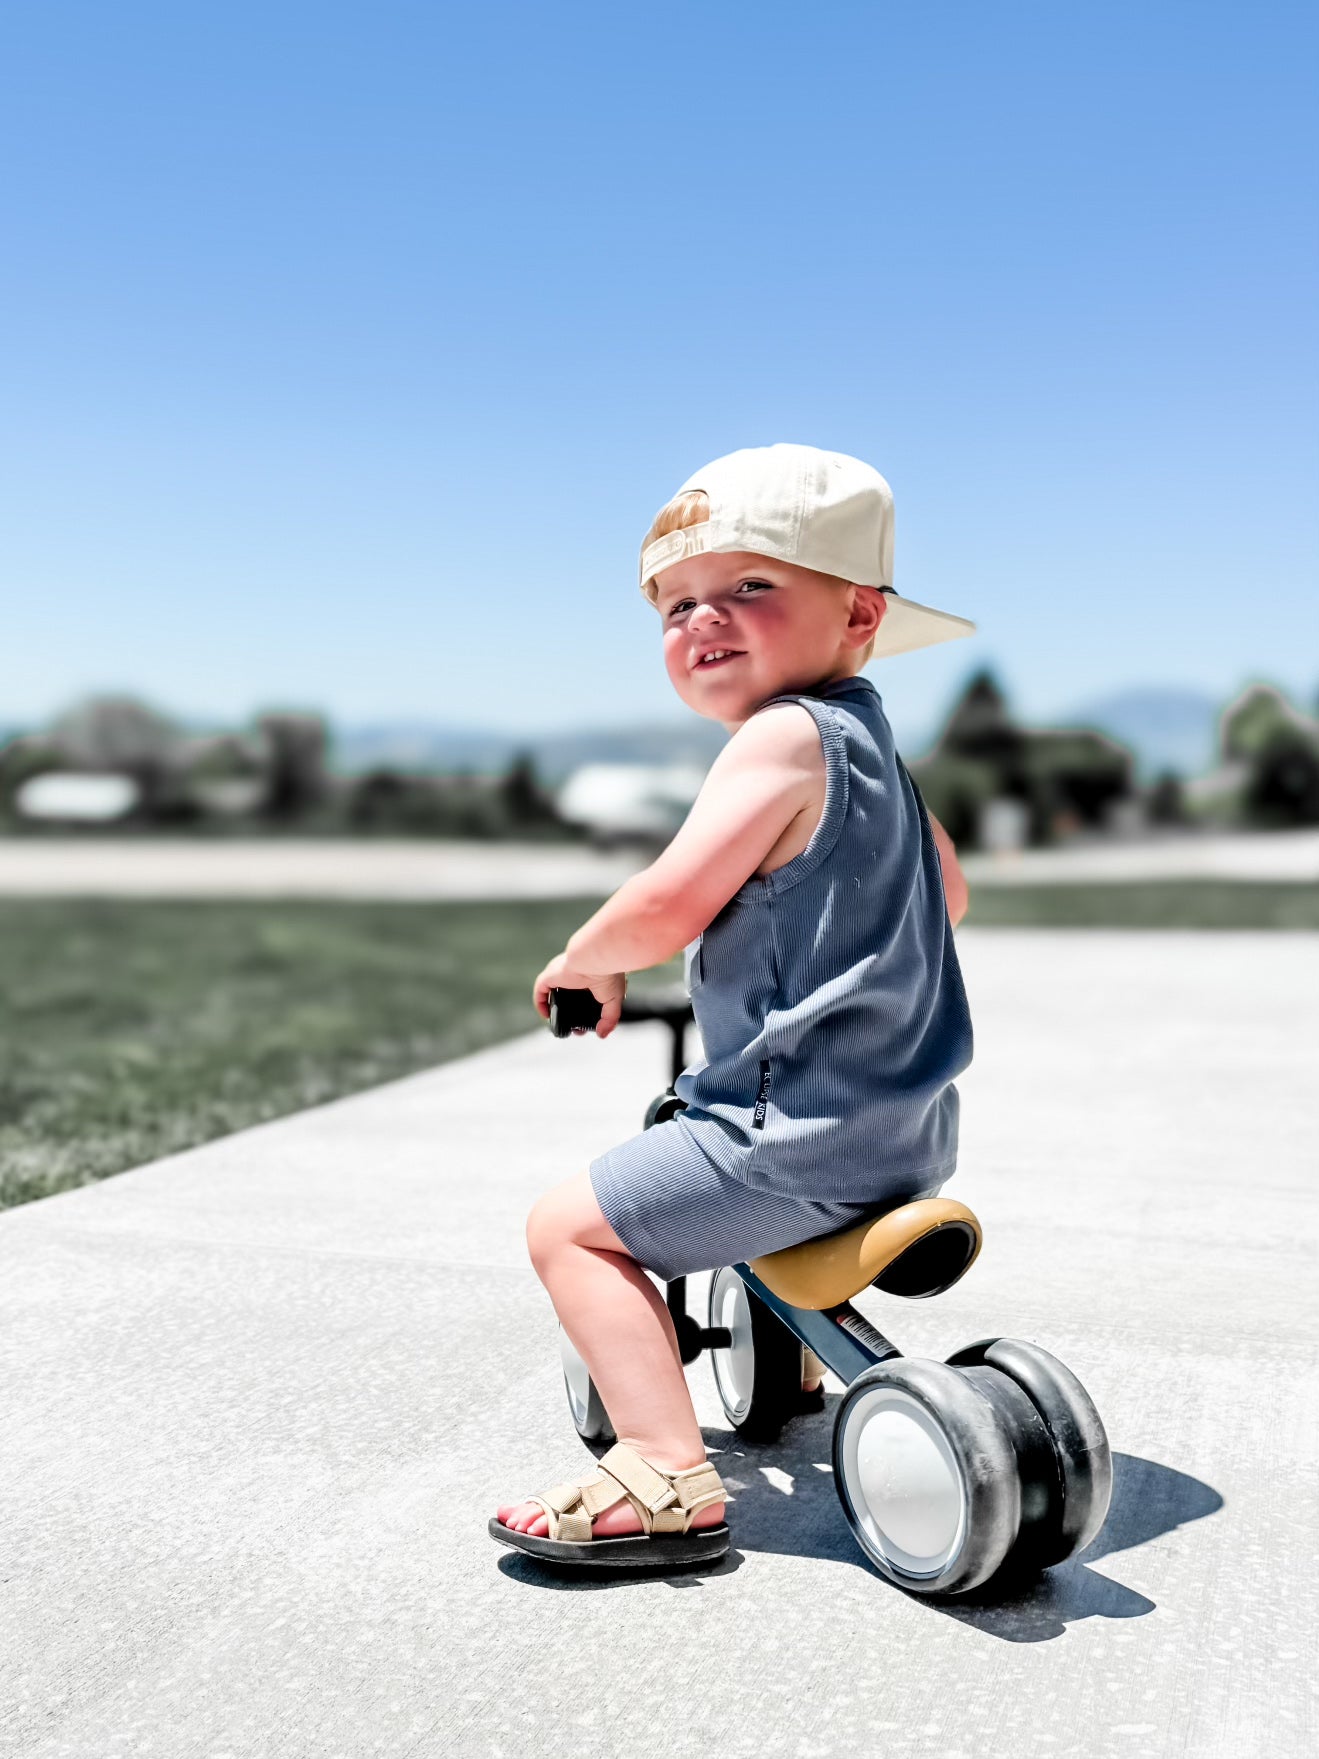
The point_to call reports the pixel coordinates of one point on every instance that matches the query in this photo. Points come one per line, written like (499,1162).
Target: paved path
(97,867)
(314,868)
(1271,855)
(261,1398)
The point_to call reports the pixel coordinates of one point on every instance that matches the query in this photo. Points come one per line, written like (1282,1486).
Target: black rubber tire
(771,1394)
(1083,1457)
(983,1460)
(585,1407)
(664,1106)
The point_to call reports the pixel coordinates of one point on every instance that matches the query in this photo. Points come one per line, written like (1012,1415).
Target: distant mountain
(418,745)
(1165,729)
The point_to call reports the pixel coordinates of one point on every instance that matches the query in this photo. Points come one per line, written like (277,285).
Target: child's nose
(704,614)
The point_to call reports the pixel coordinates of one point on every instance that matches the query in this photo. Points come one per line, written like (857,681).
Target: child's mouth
(719,656)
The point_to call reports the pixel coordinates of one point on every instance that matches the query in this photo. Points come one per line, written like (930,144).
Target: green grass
(1189,904)
(131,1030)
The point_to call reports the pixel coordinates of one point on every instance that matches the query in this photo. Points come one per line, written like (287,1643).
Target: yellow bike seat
(918,1249)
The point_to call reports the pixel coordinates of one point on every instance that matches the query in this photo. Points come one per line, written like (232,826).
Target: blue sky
(348,350)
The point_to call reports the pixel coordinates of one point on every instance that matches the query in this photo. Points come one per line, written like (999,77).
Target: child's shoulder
(781,737)
(781,725)
(780,753)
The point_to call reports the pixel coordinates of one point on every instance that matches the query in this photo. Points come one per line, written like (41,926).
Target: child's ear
(868,608)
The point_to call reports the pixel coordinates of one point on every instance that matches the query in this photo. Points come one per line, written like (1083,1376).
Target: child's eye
(686,604)
(755,585)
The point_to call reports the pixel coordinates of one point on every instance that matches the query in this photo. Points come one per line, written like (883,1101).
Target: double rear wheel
(993,1464)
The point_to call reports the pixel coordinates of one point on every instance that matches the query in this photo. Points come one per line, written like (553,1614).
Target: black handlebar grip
(570,1008)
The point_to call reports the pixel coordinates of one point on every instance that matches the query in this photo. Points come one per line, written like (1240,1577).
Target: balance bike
(993,1464)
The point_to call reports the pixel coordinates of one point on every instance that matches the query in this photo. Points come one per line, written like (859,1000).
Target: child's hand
(608,991)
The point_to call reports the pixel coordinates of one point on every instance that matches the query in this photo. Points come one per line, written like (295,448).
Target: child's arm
(955,889)
(768,773)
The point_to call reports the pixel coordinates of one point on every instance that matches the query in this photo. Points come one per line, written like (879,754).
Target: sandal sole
(637,1551)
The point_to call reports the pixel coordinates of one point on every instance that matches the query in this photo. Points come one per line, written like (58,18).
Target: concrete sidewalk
(261,1399)
(1290,857)
(434,869)
(418,870)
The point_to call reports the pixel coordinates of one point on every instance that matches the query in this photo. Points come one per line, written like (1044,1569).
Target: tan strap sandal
(664,1502)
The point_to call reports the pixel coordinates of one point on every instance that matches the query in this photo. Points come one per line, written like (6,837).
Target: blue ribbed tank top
(828,994)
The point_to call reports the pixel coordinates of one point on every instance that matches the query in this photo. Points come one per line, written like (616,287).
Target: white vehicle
(76,797)
(629,802)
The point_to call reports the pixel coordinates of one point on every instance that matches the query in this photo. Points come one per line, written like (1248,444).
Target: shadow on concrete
(783,1501)
(1148,1500)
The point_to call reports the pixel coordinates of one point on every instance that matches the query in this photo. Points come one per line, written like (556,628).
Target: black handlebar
(571,1009)
(574,1008)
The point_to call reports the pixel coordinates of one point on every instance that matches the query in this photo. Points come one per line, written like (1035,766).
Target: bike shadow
(785,1501)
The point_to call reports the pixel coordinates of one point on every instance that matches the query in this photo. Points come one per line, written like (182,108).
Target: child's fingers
(610,1014)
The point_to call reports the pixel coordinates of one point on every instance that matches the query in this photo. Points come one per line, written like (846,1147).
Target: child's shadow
(783,1500)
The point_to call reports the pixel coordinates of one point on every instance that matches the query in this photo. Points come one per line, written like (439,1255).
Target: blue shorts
(676,1212)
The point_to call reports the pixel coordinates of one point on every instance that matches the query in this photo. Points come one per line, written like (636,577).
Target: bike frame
(840,1336)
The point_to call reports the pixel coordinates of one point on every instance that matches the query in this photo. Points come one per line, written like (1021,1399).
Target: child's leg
(620,1326)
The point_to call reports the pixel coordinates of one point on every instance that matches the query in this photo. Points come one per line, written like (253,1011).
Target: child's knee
(547,1229)
(566,1216)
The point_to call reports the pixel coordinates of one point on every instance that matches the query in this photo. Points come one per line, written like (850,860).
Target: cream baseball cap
(821,510)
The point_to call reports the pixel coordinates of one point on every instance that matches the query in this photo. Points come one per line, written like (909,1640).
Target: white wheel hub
(903,1482)
(734,1367)
(577,1379)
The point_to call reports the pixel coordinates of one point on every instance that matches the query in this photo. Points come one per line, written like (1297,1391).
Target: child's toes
(526,1517)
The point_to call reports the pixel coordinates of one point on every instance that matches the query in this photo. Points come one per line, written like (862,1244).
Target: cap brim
(907,626)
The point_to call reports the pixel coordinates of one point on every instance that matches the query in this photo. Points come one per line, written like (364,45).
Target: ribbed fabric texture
(677,1213)
(828,994)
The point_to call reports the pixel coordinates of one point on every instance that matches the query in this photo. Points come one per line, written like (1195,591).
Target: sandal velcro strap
(559,1498)
(601,1494)
(698,1486)
(664,1501)
(651,1488)
(575,1527)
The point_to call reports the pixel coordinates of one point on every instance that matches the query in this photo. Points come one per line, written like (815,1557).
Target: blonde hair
(693,508)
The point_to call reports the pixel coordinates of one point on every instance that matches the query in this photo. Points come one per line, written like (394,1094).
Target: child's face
(783,629)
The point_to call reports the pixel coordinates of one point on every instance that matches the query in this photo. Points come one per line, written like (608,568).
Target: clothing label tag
(762,1099)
